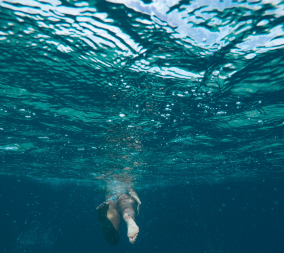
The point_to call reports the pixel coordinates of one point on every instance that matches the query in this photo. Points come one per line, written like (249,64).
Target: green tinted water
(179,92)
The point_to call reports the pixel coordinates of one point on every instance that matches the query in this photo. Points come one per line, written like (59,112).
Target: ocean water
(182,99)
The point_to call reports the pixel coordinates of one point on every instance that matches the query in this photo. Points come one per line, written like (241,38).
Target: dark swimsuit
(116,188)
(114,197)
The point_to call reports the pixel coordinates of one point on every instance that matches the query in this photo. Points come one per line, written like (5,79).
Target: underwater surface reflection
(181,91)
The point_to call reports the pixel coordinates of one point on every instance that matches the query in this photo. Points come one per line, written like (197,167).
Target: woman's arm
(134,195)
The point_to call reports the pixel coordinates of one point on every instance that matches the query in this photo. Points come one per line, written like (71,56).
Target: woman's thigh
(126,204)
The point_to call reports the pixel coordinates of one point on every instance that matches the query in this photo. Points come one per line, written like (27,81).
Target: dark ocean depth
(184,100)
(227,217)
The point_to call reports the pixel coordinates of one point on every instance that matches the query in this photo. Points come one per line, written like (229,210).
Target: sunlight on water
(177,91)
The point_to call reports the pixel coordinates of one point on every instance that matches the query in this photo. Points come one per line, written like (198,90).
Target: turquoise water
(184,100)
(180,92)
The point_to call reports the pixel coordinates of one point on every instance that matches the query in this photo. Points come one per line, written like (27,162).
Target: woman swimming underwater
(121,199)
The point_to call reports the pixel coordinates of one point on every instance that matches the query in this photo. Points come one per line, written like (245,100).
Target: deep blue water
(182,99)
(227,217)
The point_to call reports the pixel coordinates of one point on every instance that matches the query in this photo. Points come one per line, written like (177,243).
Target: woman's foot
(132,228)
(109,231)
(102,211)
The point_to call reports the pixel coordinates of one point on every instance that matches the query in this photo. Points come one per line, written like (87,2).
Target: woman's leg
(127,208)
(110,219)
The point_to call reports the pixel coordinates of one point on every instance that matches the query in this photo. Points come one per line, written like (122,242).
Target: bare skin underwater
(109,215)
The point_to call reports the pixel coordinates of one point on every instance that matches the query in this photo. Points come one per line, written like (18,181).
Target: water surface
(181,92)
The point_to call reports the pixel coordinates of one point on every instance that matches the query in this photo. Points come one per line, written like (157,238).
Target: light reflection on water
(178,92)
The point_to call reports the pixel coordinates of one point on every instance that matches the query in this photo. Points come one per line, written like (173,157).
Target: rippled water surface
(180,91)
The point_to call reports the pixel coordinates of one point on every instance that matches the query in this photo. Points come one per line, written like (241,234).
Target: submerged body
(119,200)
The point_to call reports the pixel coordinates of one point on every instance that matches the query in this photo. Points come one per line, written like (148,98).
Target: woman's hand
(134,195)
(138,208)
